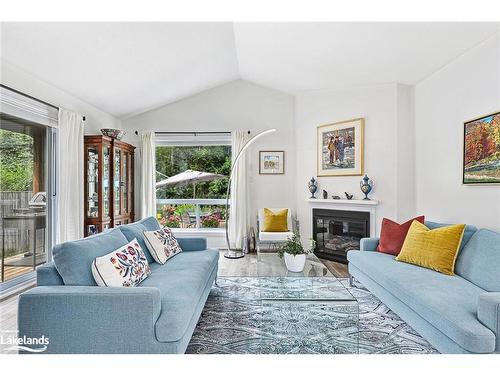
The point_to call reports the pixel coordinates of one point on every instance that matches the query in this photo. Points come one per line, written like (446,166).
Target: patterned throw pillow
(126,266)
(162,244)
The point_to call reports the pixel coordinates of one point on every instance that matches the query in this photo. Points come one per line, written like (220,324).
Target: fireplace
(336,232)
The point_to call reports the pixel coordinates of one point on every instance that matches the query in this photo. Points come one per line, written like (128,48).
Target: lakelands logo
(23,343)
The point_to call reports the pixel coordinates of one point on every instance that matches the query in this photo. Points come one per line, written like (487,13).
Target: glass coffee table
(281,312)
(311,311)
(269,264)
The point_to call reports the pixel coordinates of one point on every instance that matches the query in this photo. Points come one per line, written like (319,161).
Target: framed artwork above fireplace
(340,148)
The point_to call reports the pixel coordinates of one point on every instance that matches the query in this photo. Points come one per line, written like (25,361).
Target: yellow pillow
(436,249)
(275,221)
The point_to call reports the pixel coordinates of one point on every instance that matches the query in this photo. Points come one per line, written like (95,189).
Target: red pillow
(392,235)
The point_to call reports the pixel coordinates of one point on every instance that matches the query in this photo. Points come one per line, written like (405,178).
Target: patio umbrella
(189,176)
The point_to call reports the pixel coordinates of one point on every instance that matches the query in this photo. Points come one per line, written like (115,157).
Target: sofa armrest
(369,244)
(488,313)
(90,319)
(192,243)
(47,274)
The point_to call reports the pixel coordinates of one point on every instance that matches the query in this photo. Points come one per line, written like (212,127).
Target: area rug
(236,321)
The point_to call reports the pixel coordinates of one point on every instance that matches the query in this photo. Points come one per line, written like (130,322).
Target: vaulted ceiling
(128,68)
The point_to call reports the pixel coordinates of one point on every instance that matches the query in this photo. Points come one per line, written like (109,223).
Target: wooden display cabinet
(109,183)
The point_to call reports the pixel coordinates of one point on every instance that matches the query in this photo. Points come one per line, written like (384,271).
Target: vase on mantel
(366,186)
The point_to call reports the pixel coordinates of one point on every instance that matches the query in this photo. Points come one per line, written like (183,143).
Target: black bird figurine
(347,195)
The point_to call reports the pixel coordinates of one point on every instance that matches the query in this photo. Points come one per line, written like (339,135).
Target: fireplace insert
(336,232)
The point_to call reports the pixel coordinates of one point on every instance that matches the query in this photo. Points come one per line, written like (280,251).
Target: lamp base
(234,254)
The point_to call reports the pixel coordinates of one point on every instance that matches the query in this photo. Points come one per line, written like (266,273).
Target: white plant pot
(295,263)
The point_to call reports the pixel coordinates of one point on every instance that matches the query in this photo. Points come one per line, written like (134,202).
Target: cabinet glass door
(117,181)
(105,181)
(92,181)
(125,181)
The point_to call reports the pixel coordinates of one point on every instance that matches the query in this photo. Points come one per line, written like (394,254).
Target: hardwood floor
(12,272)
(8,312)
(246,266)
(338,269)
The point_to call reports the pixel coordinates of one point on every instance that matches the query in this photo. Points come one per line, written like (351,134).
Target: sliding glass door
(26,197)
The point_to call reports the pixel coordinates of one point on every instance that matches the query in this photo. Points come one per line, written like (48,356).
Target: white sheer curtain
(70,176)
(238,212)
(148,175)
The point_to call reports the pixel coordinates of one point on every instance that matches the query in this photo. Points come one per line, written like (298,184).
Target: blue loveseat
(456,314)
(158,316)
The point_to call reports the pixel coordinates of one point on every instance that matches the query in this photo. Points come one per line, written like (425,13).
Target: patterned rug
(236,320)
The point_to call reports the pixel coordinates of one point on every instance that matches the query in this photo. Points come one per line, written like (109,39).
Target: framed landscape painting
(481,161)
(271,162)
(340,148)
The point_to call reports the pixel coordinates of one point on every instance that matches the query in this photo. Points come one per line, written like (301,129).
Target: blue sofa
(456,314)
(158,316)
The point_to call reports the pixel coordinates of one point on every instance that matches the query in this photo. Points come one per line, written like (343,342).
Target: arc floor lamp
(238,253)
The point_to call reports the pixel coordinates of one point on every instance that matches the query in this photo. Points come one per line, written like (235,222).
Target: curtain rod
(195,133)
(31,97)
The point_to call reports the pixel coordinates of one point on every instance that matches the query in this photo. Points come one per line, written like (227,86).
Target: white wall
(379,106)
(95,119)
(467,88)
(236,105)
(405,146)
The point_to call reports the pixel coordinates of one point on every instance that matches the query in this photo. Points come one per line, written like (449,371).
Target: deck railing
(9,201)
(192,213)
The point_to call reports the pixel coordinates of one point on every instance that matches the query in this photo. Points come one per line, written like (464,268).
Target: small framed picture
(271,162)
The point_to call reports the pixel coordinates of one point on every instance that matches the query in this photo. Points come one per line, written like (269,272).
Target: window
(23,199)
(27,178)
(192,172)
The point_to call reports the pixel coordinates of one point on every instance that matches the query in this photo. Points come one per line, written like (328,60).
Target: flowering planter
(295,263)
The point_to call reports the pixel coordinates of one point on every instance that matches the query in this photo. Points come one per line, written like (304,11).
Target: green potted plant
(294,253)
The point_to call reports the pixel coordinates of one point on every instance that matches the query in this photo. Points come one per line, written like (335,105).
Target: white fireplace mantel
(343,202)
(350,205)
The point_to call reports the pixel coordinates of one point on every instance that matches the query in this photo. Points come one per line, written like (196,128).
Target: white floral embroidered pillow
(162,244)
(126,266)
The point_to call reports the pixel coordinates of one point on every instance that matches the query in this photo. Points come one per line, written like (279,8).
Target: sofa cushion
(73,260)
(137,229)
(126,266)
(479,261)
(275,236)
(449,303)
(181,282)
(468,232)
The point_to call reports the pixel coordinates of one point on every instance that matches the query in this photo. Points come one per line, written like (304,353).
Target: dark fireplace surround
(338,231)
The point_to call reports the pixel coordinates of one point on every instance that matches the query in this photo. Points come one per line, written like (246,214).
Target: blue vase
(313,186)
(366,186)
